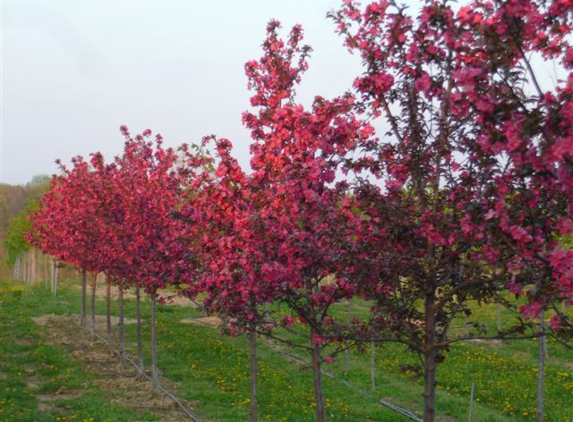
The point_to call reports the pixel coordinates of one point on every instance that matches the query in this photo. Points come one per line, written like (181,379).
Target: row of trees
(16,202)
(32,266)
(465,195)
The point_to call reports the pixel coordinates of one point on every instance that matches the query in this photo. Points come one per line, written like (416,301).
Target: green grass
(212,372)
(504,374)
(29,368)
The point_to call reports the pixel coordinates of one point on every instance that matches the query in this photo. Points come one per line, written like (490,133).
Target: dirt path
(96,358)
(101,292)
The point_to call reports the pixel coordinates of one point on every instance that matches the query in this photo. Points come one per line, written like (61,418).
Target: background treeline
(18,259)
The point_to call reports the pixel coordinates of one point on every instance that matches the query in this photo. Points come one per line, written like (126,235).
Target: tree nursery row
(442,179)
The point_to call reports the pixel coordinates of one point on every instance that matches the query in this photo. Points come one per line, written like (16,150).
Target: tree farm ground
(51,369)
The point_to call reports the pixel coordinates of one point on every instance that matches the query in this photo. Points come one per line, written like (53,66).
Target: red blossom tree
(221,209)
(65,227)
(463,197)
(304,214)
(476,163)
(153,254)
(113,244)
(119,218)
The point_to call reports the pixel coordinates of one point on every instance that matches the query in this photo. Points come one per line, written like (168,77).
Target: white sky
(73,71)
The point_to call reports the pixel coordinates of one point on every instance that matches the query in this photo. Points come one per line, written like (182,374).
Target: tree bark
(19,271)
(254,371)
(153,346)
(430,355)
(33,277)
(56,276)
(48,273)
(541,368)
(84,288)
(52,283)
(29,266)
(93,302)
(30,271)
(139,340)
(108,309)
(46,268)
(317,375)
(25,267)
(120,324)
(15,269)
(21,267)
(430,386)
(373,365)
(347,351)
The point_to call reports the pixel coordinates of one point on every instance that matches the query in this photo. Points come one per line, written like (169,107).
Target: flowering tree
(111,245)
(477,162)
(148,184)
(221,208)
(304,213)
(64,226)
(119,218)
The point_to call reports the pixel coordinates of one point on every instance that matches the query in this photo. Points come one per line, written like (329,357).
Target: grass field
(211,372)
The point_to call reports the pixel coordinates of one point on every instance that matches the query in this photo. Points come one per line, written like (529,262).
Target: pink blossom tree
(476,163)
(221,208)
(305,214)
(64,225)
(148,187)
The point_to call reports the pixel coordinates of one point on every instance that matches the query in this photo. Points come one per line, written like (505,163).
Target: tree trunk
(20,272)
(373,365)
(33,277)
(317,375)
(430,386)
(46,268)
(84,288)
(56,275)
(153,346)
(541,368)
(139,340)
(15,268)
(48,273)
(347,351)
(430,363)
(93,302)
(471,412)
(29,266)
(25,267)
(53,266)
(108,309)
(120,324)
(254,370)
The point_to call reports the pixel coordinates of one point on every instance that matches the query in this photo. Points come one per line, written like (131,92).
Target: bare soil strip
(170,297)
(210,321)
(119,381)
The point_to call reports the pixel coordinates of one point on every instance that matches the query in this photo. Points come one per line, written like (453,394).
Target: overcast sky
(73,71)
